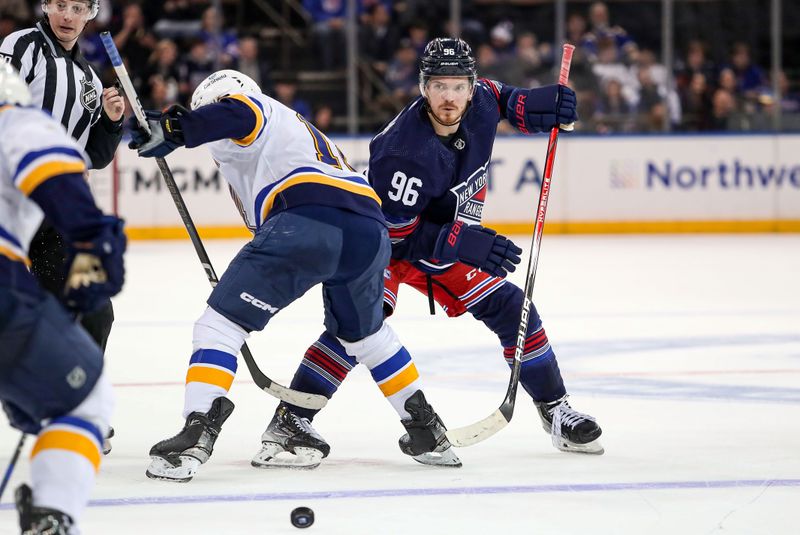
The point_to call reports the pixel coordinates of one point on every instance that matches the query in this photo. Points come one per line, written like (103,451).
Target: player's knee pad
(98,405)
(375,348)
(215,331)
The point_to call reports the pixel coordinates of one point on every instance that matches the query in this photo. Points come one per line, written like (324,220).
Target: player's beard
(452,117)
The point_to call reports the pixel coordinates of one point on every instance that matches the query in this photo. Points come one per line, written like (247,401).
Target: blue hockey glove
(165,136)
(540,109)
(95,266)
(20,419)
(477,246)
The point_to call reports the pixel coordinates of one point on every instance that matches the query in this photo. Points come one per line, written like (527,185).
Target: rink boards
(725,183)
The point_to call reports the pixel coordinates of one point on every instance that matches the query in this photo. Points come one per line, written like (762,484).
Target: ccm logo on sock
(258,303)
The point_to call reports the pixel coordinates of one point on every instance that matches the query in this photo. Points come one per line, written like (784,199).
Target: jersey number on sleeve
(403,188)
(324,152)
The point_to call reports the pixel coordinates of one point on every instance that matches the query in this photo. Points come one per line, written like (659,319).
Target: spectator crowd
(622,86)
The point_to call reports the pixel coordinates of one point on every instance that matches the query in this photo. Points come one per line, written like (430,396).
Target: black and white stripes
(61,82)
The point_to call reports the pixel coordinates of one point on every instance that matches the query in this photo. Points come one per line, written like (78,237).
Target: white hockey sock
(67,454)
(212,367)
(390,365)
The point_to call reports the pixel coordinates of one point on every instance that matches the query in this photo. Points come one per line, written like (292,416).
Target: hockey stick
(295,397)
(11,464)
(480,431)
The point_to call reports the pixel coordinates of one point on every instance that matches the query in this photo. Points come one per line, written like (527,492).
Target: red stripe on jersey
(402,232)
(492,286)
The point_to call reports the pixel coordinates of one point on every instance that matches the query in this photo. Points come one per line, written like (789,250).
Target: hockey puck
(302,517)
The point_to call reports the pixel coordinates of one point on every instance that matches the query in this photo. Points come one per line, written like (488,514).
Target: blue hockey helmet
(445,56)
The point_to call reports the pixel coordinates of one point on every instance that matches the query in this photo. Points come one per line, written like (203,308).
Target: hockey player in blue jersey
(315,221)
(51,372)
(429,166)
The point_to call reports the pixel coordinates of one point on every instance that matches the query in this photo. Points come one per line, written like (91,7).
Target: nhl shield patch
(89,97)
(76,378)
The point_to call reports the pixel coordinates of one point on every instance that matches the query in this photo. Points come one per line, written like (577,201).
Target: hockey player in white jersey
(316,221)
(51,372)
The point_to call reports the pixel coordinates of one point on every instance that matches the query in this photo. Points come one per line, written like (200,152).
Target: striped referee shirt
(64,84)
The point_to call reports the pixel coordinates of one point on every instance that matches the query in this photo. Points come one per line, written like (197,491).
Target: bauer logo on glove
(477,246)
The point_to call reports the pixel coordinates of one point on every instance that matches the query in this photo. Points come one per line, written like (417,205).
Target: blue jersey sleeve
(67,202)
(499,91)
(237,117)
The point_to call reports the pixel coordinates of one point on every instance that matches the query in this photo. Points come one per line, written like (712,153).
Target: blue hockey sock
(325,365)
(539,374)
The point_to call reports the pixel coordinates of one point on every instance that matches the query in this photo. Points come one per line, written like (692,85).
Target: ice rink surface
(685,348)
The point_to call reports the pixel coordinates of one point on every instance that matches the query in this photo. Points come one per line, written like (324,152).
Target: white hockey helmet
(221,84)
(13,89)
(94,7)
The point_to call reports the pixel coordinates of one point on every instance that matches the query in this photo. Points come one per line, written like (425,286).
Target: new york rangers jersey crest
(471,195)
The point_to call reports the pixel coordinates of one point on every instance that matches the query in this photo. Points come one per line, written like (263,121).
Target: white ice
(685,348)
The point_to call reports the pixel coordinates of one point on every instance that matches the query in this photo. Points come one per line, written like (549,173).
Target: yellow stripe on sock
(399,381)
(65,440)
(211,376)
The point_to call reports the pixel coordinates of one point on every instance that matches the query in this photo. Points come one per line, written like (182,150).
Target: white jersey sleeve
(35,149)
(284,162)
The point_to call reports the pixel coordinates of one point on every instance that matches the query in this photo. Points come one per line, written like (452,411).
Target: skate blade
(163,470)
(592,448)
(446,458)
(273,455)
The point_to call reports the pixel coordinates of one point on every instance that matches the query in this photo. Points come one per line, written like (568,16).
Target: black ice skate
(39,520)
(179,457)
(107,441)
(571,430)
(425,439)
(290,442)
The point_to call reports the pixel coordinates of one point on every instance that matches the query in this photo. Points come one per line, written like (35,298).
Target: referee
(64,84)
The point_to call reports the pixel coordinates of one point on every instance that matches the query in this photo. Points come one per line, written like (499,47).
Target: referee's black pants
(48,256)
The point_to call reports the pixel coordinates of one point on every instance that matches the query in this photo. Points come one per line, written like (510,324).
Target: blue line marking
(446,491)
